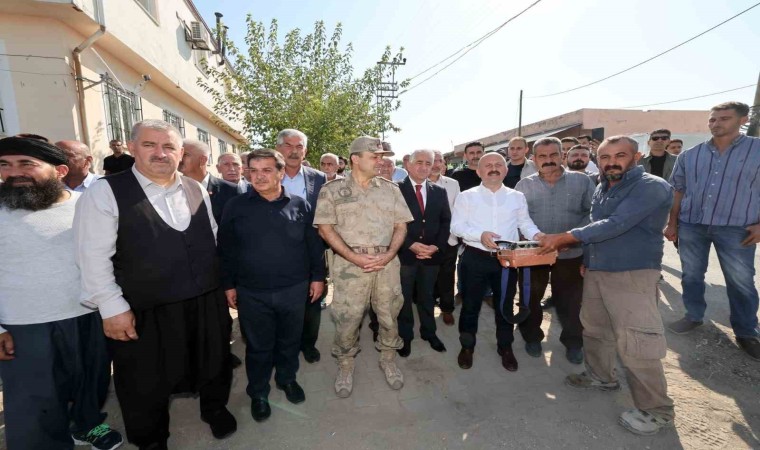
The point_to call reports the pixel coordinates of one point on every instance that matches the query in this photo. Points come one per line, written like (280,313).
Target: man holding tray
(483,215)
(623,247)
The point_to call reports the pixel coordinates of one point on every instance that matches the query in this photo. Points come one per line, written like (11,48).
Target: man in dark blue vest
(149,264)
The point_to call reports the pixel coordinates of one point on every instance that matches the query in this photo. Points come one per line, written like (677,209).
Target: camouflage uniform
(364,219)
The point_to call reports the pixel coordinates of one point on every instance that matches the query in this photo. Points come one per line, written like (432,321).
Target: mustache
(11,180)
(549,164)
(614,167)
(494,172)
(158,159)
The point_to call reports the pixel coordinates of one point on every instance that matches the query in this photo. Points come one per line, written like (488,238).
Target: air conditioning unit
(196,35)
(196,31)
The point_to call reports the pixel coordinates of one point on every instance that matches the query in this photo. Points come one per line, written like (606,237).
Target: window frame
(114,100)
(205,137)
(171,118)
(152,14)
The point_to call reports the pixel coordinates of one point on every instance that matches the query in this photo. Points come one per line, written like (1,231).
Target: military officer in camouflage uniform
(363,218)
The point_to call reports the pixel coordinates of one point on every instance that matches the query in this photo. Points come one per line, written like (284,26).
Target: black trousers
(444,284)
(567,291)
(312,320)
(480,272)
(60,375)
(272,322)
(417,283)
(182,347)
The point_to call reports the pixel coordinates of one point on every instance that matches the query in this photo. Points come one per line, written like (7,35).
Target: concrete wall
(38,93)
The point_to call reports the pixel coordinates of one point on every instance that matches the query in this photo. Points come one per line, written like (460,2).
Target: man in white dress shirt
(79,163)
(444,285)
(146,246)
(483,215)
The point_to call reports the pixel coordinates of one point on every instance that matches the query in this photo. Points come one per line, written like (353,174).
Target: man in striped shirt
(717,202)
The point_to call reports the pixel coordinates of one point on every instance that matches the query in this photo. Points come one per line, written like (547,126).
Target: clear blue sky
(557,45)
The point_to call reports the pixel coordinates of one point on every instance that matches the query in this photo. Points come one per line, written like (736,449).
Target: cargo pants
(353,291)
(620,317)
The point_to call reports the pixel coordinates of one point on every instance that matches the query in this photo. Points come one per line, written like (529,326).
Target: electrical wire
(466,49)
(35,73)
(690,98)
(649,59)
(33,56)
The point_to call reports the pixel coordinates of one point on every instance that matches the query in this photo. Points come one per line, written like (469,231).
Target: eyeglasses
(660,138)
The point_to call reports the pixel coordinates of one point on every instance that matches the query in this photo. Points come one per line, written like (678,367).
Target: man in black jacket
(420,254)
(272,258)
(194,165)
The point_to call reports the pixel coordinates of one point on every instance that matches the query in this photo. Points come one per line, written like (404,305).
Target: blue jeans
(736,262)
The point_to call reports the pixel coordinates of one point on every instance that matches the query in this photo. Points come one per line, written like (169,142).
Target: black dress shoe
(155,446)
(465,358)
(235,362)
(293,392)
(406,350)
(311,355)
(508,360)
(260,409)
(436,344)
(751,345)
(221,422)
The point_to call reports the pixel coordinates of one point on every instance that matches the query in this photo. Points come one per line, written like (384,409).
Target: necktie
(419,198)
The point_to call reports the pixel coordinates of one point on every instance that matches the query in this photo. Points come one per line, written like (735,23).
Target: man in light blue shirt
(306,183)
(79,163)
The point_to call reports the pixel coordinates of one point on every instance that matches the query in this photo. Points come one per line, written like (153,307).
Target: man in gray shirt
(53,359)
(558,201)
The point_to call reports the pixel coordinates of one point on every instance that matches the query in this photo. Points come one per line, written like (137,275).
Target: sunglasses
(660,138)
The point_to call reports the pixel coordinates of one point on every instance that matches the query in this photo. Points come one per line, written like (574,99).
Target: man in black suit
(194,165)
(306,183)
(420,255)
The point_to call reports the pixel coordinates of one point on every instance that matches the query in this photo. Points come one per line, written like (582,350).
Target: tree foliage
(304,82)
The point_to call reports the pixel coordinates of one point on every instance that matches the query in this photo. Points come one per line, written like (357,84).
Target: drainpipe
(100,17)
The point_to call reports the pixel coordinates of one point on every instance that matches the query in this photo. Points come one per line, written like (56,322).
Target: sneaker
(643,423)
(344,382)
(392,374)
(101,437)
(751,346)
(584,381)
(683,326)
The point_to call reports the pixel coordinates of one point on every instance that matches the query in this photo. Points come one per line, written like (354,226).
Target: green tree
(305,82)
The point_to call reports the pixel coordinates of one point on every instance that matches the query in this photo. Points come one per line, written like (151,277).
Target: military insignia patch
(345,192)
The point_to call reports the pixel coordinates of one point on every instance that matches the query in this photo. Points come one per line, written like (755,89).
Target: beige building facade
(691,126)
(88,69)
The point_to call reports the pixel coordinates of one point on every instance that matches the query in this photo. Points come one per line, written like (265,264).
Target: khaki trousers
(620,318)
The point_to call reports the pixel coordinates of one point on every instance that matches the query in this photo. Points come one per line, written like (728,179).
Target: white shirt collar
(205,181)
(299,174)
(145,181)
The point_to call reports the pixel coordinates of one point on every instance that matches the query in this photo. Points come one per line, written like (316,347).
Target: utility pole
(387,89)
(519,119)
(754,117)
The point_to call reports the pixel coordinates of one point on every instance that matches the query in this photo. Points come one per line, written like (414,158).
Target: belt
(491,253)
(370,250)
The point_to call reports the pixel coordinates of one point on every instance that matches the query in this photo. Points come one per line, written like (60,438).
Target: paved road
(441,406)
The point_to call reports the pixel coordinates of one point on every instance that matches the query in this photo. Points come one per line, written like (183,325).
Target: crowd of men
(138,269)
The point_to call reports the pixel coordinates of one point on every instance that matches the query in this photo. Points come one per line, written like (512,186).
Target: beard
(40,195)
(578,164)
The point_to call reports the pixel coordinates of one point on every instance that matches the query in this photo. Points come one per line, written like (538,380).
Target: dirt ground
(714,385)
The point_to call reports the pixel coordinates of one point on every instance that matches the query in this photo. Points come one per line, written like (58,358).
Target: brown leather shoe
(448,318)
(508,360)
(465,358)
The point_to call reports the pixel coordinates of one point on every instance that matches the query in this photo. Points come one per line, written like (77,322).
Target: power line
(650,59)
(35,73)
(690,98)
(466,49)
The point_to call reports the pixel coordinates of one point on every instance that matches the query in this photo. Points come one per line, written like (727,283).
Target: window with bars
(123,109)
(177,121)
(204,137)
(222,147)
(150,7)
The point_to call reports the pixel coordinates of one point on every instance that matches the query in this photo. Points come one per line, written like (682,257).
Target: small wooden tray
(523,254)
